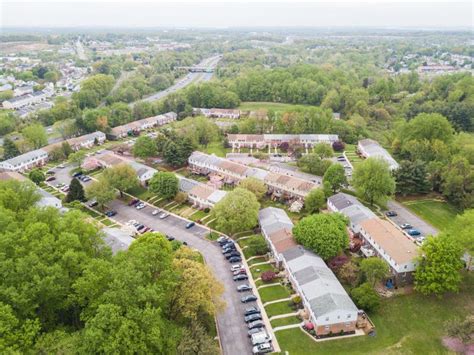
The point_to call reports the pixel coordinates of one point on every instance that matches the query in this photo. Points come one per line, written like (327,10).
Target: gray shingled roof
(342,200)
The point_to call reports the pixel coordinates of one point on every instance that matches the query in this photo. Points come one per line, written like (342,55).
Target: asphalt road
(404,215)
(232,329)
(188,79)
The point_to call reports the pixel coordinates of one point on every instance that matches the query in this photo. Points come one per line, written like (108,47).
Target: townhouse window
(327,319)
(348,316)
(326,327)
(348,324)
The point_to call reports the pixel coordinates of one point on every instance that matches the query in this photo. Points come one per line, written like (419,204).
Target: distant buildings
(279,185)
(261,141)
(369,148)
(137,126)
(217,113)
(327,303)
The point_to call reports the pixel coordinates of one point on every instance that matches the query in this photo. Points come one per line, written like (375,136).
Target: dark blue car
(413,232)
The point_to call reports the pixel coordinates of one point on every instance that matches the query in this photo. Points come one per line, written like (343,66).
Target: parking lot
(232,329)
(404,215)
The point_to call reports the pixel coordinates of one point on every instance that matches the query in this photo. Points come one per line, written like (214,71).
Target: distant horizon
(352,14)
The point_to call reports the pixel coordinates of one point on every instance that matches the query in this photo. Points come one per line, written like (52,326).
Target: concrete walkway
(254,257)
(284,315)
(262,263)
(290,326)
(276,301)
(263,286)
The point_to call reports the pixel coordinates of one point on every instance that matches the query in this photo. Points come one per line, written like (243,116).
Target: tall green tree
(374,269)
(325,234)
(76,191)
(35,135)
(236,212)
(461,232)
(254,185)
(144,147)
(164,184)
(101,191)
(10,150)
(335,177)
(315,200)
(37,176)
(439,266)
(458,182)
(373,181)
(121,177)
(411,178)
(366,297)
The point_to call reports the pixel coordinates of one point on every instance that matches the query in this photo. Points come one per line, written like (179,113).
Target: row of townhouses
(261,141)
(279,185)
(325,300)
(108,159)
(379,238)
(217,112)
(39,157)
(137,126)
(369,148)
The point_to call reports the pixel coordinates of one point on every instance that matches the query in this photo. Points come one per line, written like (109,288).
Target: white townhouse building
(369,148)
(25,161)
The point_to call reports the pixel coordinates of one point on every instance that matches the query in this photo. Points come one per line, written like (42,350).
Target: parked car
(260,338)
(235,259)
(391,214)
(251,310)
(232,254)
(241,277)
(59,184)
(256,324)
(413,232)
(227,250)
(77,174)
(164,215)
(50,172)
(170,238)
(50,178)
(240,272)
(140,206)
(110,213)
(155,212)
(262,348)
(139,227)
(61,166)
(254,331)
(228,244)
(244,288)
(133,202)
(252,317)
(65,188)
(248,298)
(190,225)
(222,240)
(86,178)
(236,267)
(406,226)
(92,203)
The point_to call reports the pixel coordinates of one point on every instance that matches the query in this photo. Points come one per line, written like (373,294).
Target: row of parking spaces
(342,160)
(259,338)
(407,225)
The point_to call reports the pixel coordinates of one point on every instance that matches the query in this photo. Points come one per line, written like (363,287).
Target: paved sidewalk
(290,326)
(268,285)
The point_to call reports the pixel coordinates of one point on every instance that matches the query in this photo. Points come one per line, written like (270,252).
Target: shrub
(206,210)
(181,197)
(338,261)
(268,276)
(338,146)
(366,297)
(296,300)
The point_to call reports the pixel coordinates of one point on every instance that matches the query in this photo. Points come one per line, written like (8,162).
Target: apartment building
(136,127)
(325,300)
(279,185)
(217,113)
(369,148)
(26,161)
(261,141)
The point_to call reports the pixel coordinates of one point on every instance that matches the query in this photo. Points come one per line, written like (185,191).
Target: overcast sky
(223,13)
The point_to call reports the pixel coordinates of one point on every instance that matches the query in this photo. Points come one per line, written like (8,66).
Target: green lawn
(275,106)
(409,324)
(278,308)
(273,293)
(257,270)
(285,321)
(140,192)
(257,260)
(198,215)
(216,148)
(351,154)
(438,213)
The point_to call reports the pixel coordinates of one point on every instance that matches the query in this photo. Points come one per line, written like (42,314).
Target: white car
(236,267)
(164,215)
(262,348)
(260,338)
(155,212)
(140,206)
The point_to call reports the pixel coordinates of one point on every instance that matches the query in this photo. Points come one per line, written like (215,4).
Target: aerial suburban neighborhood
(302,184)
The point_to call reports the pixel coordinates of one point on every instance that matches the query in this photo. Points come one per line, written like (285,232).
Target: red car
(133,202)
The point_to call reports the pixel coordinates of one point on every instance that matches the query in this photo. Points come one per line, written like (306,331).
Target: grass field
(273,293)
(409,324)
(252,106)
(216,148)
(257,270)
(285,321)
(352,155)
(438,213)
(278,308)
